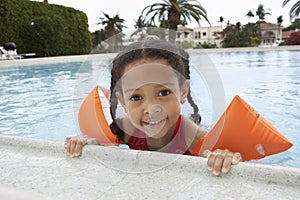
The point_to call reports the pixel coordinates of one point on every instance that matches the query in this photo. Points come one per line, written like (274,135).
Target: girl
(151,79)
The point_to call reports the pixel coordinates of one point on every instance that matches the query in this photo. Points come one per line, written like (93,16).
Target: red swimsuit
(178,145)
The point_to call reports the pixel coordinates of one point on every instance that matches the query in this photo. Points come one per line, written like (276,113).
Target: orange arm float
(242,129)
(92,121)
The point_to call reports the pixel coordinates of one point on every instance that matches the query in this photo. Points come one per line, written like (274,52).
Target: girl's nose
(153,109)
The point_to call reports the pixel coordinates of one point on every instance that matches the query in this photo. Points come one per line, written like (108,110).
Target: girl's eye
(135,98)
(164,93)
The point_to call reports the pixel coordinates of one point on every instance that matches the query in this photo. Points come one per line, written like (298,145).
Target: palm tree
(250,14)
(221,20)
(279,22)
(113,25)
(144,28)
(171,11)
(295,10)
(261,12)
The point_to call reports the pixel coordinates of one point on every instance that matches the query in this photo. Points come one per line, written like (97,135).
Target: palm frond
(285,2)
(295,10)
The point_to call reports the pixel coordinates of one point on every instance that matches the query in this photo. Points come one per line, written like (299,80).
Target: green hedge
(45,29)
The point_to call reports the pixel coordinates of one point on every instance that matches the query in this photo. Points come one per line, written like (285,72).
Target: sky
(129,10)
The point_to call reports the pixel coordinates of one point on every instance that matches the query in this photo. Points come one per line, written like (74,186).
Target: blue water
(40,101)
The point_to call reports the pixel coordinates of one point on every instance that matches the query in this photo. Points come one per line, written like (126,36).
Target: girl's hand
(74,145)
(220,161)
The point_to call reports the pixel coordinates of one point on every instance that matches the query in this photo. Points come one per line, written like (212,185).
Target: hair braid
(195,117)
(115,125)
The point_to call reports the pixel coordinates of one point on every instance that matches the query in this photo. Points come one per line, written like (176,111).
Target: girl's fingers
(214,162)
(72,148)
(211,161)
(218,164)
(227,163)
(74,145)
(237,157)
(221,160)
(67,142)
(78,148)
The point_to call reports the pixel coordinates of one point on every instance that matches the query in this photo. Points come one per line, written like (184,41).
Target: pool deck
(40,169)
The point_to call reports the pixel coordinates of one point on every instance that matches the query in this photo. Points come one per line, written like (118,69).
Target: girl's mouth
(155,124)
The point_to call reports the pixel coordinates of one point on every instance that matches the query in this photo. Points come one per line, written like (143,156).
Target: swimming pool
(39,101)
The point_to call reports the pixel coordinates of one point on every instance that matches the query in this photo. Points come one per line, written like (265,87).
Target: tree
(295,25)
(261,12)
(170,13)
(113,25)
(250,14)
(221,20)
(240,36)
(46,1)
(294,11)
(279,20)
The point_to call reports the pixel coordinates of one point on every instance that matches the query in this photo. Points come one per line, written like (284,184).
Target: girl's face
(151,96)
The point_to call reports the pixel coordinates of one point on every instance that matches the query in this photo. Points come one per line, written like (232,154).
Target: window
(196,34)
(204,33)
(178,35)
(186,34)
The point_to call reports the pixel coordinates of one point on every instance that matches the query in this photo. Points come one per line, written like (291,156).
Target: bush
(293,39)
(255,41)
(45,29)
(184,44)
(206,45)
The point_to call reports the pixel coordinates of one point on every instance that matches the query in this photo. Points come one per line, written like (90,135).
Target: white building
(208,35)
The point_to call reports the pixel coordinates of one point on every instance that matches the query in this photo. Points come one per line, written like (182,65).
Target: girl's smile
(155,124)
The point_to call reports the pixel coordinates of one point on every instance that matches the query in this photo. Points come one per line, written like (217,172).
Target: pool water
(41,101)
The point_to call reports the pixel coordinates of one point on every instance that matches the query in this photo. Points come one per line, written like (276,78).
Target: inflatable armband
(92,119)
(242,129)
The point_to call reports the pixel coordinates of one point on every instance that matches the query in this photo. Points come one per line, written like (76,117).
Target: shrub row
(45,29)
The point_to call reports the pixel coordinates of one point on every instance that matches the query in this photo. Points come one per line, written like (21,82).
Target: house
(208,35)
(184,34)
(269,33)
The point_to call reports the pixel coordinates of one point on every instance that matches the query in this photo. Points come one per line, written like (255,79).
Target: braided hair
(176,57)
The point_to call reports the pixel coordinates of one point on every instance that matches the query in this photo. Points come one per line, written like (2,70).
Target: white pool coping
(52,60)
(81,58)
(40,169)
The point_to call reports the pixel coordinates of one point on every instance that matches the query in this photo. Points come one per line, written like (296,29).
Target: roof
(183,28)
(269,26)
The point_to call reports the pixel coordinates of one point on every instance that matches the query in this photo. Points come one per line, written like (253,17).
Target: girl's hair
(176,57)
